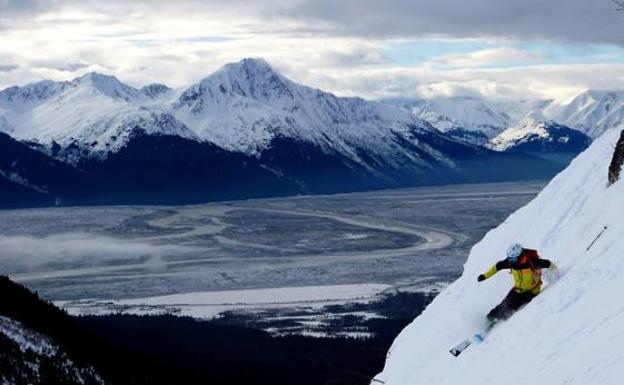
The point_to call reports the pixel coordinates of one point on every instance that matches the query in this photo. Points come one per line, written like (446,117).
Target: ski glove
(553,274)
(480,278)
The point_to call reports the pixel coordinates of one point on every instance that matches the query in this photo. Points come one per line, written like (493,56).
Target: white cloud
(338,46)
(551,81)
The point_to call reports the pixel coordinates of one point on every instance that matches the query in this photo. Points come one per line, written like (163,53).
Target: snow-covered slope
(30,357)
(591,111)
(572,333)
(539,135)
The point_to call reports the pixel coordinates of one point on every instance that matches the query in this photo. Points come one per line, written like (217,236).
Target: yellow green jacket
(526,272)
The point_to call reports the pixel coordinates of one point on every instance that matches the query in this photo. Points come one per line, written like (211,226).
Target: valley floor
(305,253)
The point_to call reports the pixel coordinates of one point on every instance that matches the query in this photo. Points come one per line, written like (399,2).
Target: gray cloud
(13,12)
(7,67)
(60,65)
(15,8)
(565,20)
(338,46)
(71,67)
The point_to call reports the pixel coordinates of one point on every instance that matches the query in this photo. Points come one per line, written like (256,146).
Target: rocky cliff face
(615,167)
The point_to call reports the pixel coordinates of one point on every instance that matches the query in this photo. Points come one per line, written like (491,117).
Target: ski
(459,348)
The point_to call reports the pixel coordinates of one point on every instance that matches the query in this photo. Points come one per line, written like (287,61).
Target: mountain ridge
(244,117)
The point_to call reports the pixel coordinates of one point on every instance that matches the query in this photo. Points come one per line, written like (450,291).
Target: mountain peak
(107,84)
(97,78)
(96,75)
(593,111)
(535,133)
(155,89)
(249,78)
(250,65)
(33,92)
(250,72)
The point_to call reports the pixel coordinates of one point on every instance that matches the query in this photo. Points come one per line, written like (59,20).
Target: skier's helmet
(514,251)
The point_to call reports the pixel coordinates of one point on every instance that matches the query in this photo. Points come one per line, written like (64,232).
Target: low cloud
(71,67)
(20,254)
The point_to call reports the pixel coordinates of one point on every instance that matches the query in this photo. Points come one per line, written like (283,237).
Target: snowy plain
(211,304)
(572,333)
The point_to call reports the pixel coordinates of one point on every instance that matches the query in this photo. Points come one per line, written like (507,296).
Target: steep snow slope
(572,333)
(591,111)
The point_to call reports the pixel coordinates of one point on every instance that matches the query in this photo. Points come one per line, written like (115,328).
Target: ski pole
(595,239)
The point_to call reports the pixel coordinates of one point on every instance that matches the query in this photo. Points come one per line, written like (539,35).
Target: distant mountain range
(247,131)
(592,112)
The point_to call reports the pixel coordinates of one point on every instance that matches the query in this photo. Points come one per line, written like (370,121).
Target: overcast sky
(370,48)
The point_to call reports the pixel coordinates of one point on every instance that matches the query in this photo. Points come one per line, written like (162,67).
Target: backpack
(529,256)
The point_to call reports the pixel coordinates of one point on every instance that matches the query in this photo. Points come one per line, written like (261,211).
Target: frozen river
(399,238)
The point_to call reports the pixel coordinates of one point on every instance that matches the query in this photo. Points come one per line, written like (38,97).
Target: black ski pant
(512,302)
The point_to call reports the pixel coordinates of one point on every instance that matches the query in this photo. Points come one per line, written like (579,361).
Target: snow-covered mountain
(540,136)
(591,111)
(241,108)
(92,115)
(267,134)
(470,119)
(479,120)
(245,105)
(572,333)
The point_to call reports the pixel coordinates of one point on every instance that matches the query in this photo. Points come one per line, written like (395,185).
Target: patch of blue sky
(207,39)
(148,42)
(415,53)
(573,53)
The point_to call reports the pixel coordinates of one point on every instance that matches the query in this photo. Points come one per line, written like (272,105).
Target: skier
(526,268)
